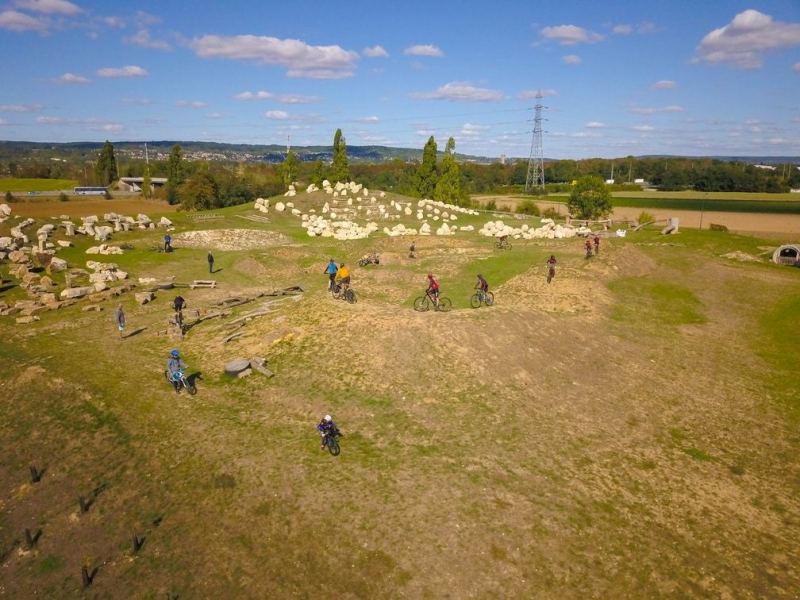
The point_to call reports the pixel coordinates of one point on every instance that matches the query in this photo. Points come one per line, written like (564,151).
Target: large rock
(56,265)
(144,297)
(165,222)
(18,257)
(27,320)
(237,366)
(76,292)
(5,210)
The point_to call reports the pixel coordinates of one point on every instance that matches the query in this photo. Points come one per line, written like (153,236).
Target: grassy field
(628,431)
(18,185)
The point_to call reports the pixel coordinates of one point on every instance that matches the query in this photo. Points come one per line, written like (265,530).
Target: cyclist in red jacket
(433,289)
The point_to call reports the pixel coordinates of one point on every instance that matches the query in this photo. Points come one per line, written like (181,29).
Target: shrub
(551,212)
(645,217)
(62,197)
(10,197)
(491,205)
(108,195)
(528,207)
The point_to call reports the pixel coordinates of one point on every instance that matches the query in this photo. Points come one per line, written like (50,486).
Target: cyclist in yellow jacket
(343,278)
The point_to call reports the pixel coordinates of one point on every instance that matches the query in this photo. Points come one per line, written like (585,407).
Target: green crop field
(14,185)
(627,431)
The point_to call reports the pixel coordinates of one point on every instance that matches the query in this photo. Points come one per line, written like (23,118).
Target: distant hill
(271,153)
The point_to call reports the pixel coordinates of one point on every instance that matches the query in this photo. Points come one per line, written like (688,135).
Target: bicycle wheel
(336,291)
(350,296)
(488,298)
(508,245)
(445,304)
(191,388)
(422,304)
(475,301)
(333,446)
(498,245)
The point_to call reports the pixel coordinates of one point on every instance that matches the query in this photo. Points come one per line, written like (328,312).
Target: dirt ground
(546,447)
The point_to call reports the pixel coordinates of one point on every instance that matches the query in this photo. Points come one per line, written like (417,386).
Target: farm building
(788,254)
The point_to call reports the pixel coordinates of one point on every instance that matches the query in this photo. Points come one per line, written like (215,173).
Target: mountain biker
(588,246)
(597,244)
(330,271)
(412,250)
(119,317)
(175,368)
(343,277)
(326,427)
(482,285)
(167,243)
(433,289)
(551,267)
(178,304)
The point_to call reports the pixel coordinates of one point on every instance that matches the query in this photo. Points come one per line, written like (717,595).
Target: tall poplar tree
(425,179)
(106,167)
(339,169)
(448,188)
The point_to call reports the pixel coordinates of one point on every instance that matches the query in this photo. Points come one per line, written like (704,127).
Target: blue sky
(619,77)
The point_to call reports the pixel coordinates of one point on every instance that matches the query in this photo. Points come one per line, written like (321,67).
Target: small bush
(645,217)
(491,205)
(62,197)
(528,207)
(10,197)
(551,212)
(108,195)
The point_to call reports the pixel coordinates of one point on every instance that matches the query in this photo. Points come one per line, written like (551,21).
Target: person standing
(167,243)
(331,271)
(119,318)
(412,250)
(210,262)
(596,244)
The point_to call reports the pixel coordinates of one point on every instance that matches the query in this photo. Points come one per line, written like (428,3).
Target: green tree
(318,174)
(199,192)
(425,179)
(448,188)
(175,165)
(339,169)
(589,198)
(288,168)
(106,167)
(146,191)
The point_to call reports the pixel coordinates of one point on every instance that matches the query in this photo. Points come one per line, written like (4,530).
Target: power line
(535,177)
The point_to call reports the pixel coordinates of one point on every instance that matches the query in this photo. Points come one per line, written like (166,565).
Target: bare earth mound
(230,239)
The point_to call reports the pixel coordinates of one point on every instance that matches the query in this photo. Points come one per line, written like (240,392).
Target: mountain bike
(348,295)
(182,381)
(331,440)
(424,303)
(480,296)
(503,244)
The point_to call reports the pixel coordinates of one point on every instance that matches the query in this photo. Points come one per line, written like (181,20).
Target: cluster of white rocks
(548,230)
(262,205)
(291,192)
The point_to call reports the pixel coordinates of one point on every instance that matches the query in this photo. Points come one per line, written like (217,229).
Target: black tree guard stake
(31,539)
(84,504)
(136,543)
(36,476)
(86,576)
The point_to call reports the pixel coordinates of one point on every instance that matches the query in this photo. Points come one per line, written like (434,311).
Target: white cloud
(50,120)
(571,59)
(17,21)
(143,39)
(20,108)
(300,59)
(214,115)
(623,29)
(117,72)
(627,29)
(651,110)
(461,91)
(137,101)
(112,127)
(376,51)
(664,84)
(92,123)
(145,19)
(61,7)
(113,22)
(744,40)
(371,119)
(595,125)
(531,94)
(3,122)
(250,96)
(297,99)
(643,128)
(646,27)
(796,67)
(277,115)
(72,78)
(472,129)
(191,104)
(424,50)
(569,35)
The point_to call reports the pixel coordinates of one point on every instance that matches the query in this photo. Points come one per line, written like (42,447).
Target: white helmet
(328,418)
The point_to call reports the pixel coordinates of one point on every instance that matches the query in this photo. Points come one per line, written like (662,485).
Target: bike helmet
(480,276)
(327,418)
(430,275)
(175,354)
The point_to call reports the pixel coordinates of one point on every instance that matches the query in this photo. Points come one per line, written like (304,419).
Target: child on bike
(433,289)
(325,428)
(482,285)
(175,368)
(330,271)
(343,277)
